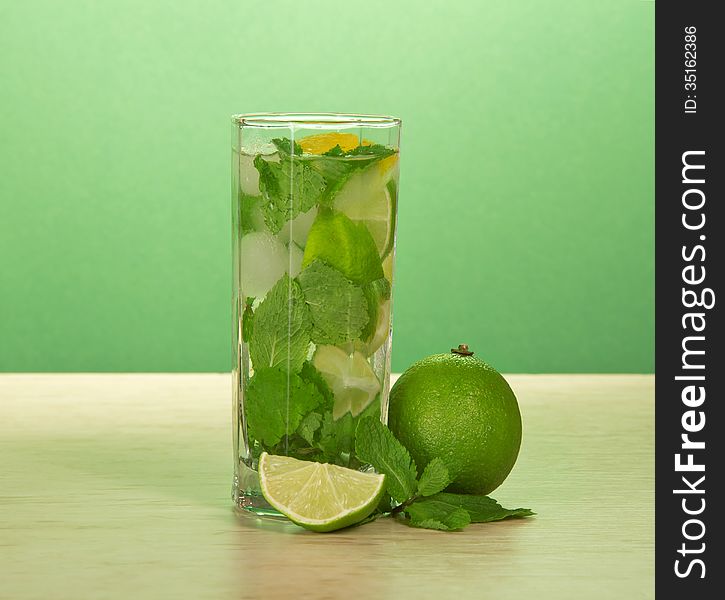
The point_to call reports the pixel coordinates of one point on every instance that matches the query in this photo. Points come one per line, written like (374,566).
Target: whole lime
(458,408)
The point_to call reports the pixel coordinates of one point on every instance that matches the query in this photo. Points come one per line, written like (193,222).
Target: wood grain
(117,486)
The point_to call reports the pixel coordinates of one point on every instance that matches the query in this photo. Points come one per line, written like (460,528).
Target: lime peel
(369,197)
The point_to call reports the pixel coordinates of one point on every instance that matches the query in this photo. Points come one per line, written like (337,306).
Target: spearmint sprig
(376,444)
(421,500)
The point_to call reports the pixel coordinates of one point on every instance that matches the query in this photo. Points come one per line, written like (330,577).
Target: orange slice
(322,142)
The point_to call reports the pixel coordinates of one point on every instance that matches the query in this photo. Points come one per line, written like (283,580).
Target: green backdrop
(526,223)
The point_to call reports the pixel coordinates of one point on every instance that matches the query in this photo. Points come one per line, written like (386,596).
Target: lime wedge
(368,197)
(318,496)
(350,378)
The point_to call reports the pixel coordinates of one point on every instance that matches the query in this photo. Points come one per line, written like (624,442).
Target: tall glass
(314,206)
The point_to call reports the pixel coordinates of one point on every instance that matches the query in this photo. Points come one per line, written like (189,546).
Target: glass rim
(314,120)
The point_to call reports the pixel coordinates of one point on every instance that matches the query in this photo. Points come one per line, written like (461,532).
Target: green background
(526,222)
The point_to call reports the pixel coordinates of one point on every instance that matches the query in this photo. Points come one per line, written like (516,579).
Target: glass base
(256,505)
(248,497)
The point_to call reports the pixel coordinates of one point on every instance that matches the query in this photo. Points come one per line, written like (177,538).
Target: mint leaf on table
(281,328)
(435,478)
(338,307)
(482,509)
(275,404)
(423,502)
(289,187)
(386,503)
(375,444)
(433,514)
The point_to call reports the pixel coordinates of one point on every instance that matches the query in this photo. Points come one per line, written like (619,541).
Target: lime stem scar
(462,350)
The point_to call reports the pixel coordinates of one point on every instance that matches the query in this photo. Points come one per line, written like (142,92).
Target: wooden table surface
(117,486)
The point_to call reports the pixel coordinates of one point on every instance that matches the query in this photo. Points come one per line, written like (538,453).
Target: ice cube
(298,228)
(255,147)
(248,175)
(264,260)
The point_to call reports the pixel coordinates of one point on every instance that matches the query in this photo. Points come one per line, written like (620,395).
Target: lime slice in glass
(368,197)
(350,377)
(382,330)
(318,496)
(388,267)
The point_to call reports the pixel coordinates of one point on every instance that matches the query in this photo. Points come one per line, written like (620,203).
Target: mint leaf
(297,182)
(435,478)
(376,445)
(284,145)
(337,438)
(338,307)
(386,503)
(250,212)
(281,328)
(381,288)
(308,426)
(247,321)
(433,514)
(289,187)
(275,403)
(376,150)
(336,172)
(372,150)
(482,509)
(312,375)
(336,151)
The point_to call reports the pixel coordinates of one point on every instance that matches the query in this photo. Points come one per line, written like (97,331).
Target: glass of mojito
(314,199)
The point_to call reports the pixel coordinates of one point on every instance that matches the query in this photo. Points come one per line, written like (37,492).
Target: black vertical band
(689,233)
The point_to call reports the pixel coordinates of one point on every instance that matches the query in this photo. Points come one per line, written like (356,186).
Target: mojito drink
(314,240)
